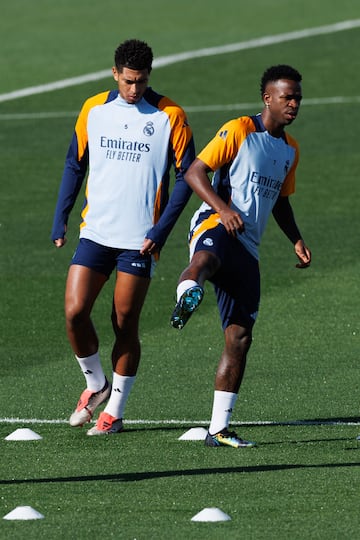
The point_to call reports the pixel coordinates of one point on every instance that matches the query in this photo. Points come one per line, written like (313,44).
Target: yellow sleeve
(81,123)
(181,133)
(226,143)
(288,187)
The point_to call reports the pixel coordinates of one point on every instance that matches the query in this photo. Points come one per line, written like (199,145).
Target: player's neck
(273,128)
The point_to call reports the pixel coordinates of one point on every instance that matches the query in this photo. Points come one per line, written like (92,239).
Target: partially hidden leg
(129,296)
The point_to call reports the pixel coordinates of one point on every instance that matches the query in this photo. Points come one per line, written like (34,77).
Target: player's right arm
(74,173)
(198,179)
(76,165)
(221,150)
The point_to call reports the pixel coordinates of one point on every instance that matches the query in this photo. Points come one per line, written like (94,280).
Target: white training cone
(23,512)
(194,434)
(211,514)
(23,434)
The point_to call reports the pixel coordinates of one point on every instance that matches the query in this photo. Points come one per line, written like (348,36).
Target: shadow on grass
(338,420)
(308,441)
(151,475)
(330,421)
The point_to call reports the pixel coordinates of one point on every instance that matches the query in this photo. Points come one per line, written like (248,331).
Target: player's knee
(124,322)
(243,342)
(76,316)
(205,263)
(238,339)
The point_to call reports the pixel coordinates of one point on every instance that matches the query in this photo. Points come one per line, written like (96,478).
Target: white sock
(223,405)
(121,387)
(93,372)
(183,286)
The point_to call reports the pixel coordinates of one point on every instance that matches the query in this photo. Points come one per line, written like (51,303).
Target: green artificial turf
(299,399)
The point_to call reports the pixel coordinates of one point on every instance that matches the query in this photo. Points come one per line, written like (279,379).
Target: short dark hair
(133,54)
(275,73)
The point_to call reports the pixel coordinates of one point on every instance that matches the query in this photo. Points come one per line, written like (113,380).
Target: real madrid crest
(149,129)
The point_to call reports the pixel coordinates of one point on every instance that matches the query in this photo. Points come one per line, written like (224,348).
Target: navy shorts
(237,282)
(104,259)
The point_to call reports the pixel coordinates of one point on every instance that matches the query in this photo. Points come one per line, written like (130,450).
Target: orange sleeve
(288,187)
(181,132)
(81,123)
(226,143)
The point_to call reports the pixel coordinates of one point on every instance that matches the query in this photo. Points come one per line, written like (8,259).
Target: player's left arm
(284,217)
(182,151)
(180,195)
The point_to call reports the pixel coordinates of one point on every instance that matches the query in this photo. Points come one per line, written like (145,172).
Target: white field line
(335,100)
(189,55)
(181,423)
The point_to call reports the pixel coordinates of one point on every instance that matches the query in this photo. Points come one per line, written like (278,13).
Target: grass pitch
(299,399)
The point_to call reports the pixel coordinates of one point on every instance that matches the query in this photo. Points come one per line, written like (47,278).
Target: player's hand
(232,221)
(148,247)
(303,253)
(60,242)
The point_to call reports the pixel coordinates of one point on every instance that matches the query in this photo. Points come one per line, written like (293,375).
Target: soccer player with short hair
(254,162)
(127,140)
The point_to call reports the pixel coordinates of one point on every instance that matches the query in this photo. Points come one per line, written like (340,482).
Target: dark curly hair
(275,73)
(133,54)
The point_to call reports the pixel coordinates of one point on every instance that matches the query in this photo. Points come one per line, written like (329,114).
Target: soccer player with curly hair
(126,140)
(254,162)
